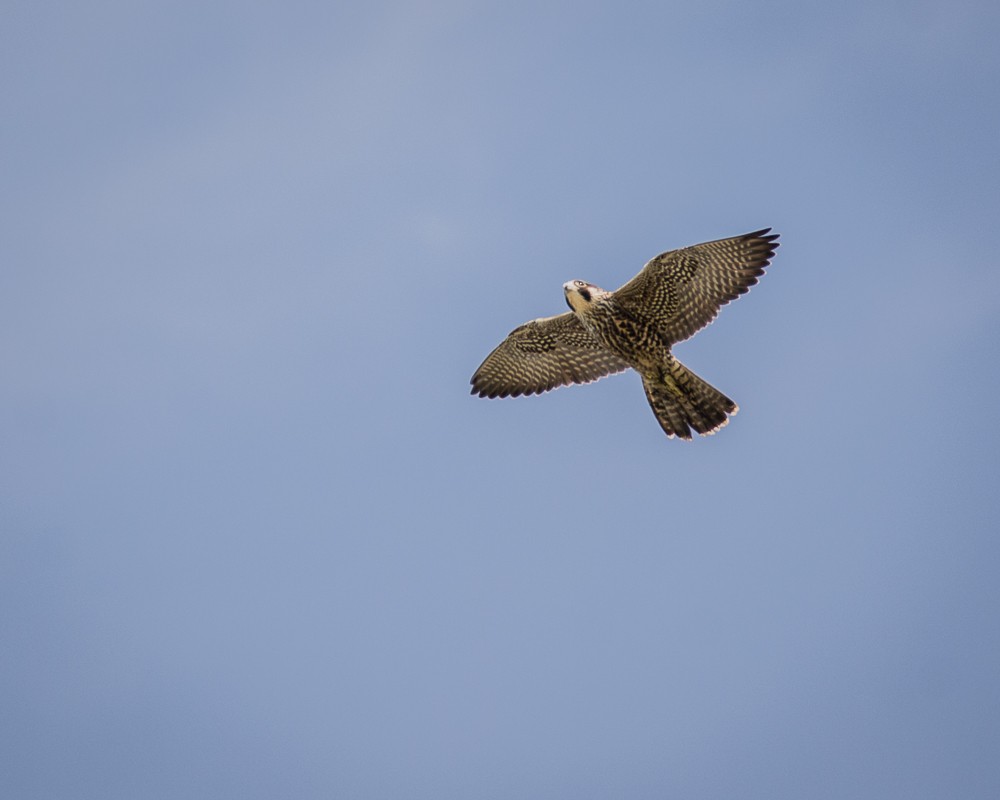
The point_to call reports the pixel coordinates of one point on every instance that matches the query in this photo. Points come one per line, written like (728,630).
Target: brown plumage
(675,295)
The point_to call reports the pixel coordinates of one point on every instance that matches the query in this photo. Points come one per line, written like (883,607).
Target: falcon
(676,294)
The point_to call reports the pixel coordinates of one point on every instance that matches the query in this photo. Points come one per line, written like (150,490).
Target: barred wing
(541,355)
(683,290)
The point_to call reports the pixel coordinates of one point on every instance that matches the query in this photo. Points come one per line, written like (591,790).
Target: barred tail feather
(683,402)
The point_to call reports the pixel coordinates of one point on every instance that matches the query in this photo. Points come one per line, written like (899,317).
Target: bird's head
(580,294)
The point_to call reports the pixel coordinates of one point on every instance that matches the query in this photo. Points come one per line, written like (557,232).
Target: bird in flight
(674,296)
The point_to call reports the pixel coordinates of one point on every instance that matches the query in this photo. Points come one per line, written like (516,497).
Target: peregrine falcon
(675,295)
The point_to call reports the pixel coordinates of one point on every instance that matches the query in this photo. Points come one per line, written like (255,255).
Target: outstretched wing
(541,355)
(684,289)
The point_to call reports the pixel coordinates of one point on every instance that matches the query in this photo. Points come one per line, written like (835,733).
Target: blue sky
(259,541)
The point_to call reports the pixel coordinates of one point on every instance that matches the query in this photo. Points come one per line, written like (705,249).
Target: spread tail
(683,402)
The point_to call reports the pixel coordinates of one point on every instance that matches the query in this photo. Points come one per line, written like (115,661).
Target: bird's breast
(628,335)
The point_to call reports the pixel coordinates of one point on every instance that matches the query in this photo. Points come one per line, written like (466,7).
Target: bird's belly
(634,340)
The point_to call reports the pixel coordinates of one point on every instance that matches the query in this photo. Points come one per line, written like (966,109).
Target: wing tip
(764,235)
(493,392)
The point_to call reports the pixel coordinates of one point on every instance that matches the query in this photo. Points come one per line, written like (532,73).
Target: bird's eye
(579,283)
